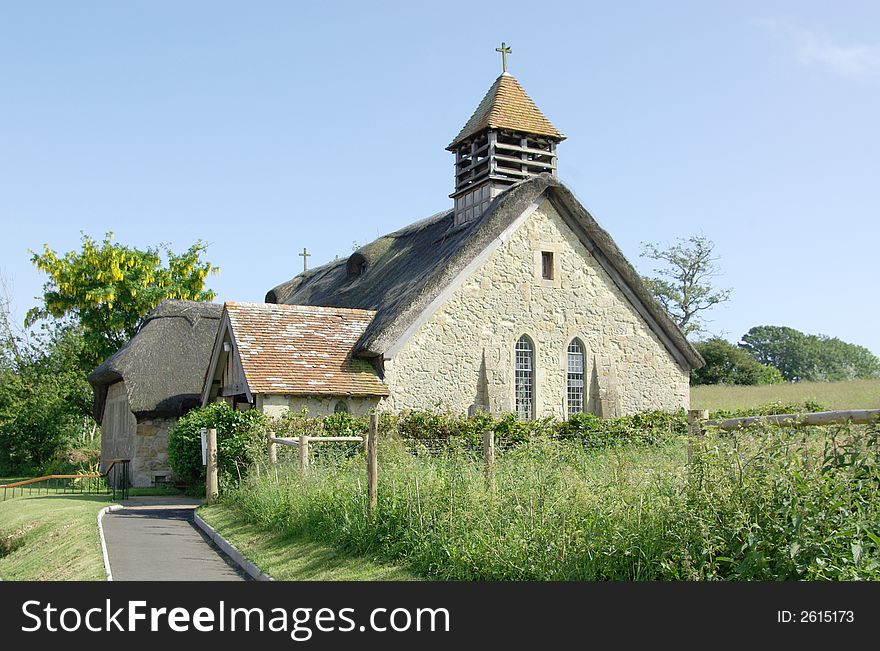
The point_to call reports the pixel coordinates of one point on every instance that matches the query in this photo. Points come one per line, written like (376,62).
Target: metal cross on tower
(505,50)
(305,256)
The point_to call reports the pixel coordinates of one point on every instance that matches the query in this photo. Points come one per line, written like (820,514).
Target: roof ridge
(301,307)
(405,280)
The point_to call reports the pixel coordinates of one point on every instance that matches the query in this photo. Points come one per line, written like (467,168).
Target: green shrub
(644,428)
(771,408)
(240,441)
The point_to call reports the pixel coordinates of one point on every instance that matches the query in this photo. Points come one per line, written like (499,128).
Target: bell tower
(506,140)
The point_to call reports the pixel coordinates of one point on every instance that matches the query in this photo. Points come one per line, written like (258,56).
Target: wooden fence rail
(853,416)
(698,421)
(303,444)
(295,441)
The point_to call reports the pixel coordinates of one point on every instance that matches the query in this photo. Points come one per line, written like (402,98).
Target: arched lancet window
(525,379)
(575,391)
(341,407)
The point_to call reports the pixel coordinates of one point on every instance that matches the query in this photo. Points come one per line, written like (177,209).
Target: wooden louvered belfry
(506,140)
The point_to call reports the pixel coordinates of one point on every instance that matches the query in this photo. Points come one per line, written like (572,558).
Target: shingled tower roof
(507,106)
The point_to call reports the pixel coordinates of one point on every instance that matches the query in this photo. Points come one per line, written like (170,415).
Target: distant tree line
(683,283)
(771,354)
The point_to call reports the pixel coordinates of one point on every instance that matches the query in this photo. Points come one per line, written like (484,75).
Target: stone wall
(150,458)
(464,353)
(144,442)
(277,406)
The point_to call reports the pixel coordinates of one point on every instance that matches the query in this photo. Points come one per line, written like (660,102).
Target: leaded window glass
(525,379)
(575,378)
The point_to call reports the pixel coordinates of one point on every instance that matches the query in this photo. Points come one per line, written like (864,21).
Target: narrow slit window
(547,265)
(575,378)
(525,379)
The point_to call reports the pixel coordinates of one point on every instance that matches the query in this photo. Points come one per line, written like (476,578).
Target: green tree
(108,288)
(7,333)
(785,348)
(683,284)
(803,357)
(729,364)
(43,396)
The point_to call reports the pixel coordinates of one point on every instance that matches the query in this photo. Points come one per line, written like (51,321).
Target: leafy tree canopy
(803,357)
(44,395)
(728,364)
(683,284)
(109,288)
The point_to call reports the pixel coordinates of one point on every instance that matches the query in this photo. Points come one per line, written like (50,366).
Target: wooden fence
(303,444)
(698,422)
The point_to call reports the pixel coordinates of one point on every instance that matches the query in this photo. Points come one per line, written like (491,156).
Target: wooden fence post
(304,455)
(211,486)
(489,459)
(695,429)
(273,449)
(373,464)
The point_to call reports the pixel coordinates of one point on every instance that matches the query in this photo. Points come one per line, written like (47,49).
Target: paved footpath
(155,539)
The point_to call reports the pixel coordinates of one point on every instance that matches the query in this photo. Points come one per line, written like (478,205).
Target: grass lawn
(51,538)
(855,394)
(287,558)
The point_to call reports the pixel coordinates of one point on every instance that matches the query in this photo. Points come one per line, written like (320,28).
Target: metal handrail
(110,485)
(35,480)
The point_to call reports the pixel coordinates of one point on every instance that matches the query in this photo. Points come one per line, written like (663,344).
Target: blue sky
(263,127)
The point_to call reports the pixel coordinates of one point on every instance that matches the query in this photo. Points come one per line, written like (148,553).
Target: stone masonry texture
(464,353)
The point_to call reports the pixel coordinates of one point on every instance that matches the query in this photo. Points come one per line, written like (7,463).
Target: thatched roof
(406,270)
(164,364)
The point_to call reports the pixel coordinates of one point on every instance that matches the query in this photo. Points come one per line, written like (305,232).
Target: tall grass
(854,394)
(775,504)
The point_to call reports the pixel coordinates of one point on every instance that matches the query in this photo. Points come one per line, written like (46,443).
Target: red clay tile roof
(303,349)
(507,106)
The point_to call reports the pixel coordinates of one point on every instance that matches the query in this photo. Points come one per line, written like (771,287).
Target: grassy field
(772,504)
(855,394)
(51,538)
(296,558)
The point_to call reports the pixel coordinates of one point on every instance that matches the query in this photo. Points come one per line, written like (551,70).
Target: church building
(513,300)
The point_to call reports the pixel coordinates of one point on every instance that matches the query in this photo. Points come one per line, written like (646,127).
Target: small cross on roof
(305,256)
(504,50)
